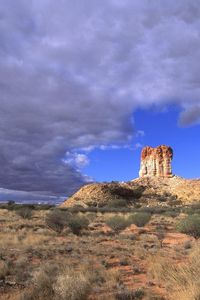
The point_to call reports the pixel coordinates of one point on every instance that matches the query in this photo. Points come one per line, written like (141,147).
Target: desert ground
(99,253)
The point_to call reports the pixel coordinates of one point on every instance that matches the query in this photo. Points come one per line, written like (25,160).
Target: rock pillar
(156,161)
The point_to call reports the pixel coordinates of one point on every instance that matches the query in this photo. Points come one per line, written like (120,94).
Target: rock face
(156,161)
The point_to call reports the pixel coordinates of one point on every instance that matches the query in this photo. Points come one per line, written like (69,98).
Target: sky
(84,85)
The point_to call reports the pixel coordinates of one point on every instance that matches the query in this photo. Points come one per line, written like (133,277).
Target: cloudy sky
(87,83)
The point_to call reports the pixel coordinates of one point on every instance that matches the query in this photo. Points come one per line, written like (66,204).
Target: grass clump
(117,223)
(55,282)
(190,225)
(78,223)
(72,285)
(139,219)
(182,280)
(24,212)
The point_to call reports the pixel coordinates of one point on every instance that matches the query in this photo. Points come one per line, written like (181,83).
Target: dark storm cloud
(72,73)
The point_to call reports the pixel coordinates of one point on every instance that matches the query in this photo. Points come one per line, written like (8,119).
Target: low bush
(171,213)
(139,219)
(190,225)
(57,220)
(22,270)
(117,223)
(43,282)
(78,223)
(126,294)
(4,269)
(24,212)
(10,202)
(117,203)
(162,198)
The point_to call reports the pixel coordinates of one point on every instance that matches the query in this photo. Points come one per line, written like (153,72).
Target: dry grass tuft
(182,280)
(72,285)
(11,239)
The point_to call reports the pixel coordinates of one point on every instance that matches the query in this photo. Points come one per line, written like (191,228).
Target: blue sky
(160,127)
(81,81)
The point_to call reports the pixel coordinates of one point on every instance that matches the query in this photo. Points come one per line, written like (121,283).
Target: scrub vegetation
(144,253)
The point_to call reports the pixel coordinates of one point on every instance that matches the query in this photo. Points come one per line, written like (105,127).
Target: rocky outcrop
(100,194)
(154,191)
(155,187)
(156,161)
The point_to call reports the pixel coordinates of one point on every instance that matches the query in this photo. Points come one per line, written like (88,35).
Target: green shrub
(77,223)
(171,213)
(117,223)
(24,212)
(190,225)
(139,219)
(57,220)
(117,203)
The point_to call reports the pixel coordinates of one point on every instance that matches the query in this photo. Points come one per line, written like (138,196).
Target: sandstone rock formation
(171,189)
(100,194)
(156,161)
(155,187)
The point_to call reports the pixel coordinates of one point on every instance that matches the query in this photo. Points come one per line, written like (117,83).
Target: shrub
(117,203)
(57,220)
(24,212)
(77,223)
(10,202)
(117,223)
(91,216)
(127,192)
(43,284)
(162,198)
(190,225)
(126,294)
(139,219)
(4,269)
(171,213)
(124,261)
(21,269)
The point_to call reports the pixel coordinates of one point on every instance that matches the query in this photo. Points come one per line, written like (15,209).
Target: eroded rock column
(156,161)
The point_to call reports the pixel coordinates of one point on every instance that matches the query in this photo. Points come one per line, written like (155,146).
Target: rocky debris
(156,161)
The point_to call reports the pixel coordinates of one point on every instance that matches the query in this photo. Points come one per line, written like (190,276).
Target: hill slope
(144,191)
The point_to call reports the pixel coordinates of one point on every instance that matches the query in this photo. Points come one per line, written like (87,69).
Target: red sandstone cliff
(156,161)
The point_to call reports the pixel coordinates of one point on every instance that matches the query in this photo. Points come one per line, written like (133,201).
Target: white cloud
(76,160)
